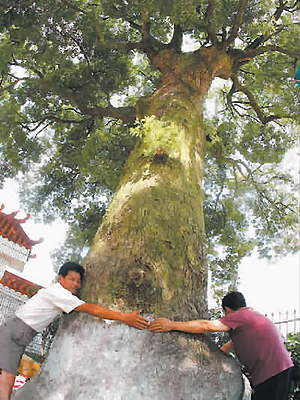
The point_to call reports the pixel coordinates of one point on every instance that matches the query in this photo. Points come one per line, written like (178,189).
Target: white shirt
(41,309)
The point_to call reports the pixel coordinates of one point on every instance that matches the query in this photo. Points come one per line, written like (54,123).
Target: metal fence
(10,301)
(286,321)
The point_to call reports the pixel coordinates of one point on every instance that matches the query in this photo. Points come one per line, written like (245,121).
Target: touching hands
(161,325)
(137,321)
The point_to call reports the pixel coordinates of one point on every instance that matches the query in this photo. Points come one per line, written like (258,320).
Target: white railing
(287,321)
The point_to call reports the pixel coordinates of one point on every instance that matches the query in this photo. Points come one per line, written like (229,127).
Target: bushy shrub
(293,346)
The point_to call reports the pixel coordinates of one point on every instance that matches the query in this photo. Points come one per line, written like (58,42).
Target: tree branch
(177,38)
(119,46)
(237,24)
(261,195)
(241,57)
(145,28)
(283,7)
(264,49)
(126,114)
(148,44)
(279,10)
(208,17)
(55,118)
(260,40)
(101,42)
(237,86)
(135,26)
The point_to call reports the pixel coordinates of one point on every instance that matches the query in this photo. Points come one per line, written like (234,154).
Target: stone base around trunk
(93,359)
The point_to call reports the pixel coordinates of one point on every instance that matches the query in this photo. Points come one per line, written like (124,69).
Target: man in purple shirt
(254,339)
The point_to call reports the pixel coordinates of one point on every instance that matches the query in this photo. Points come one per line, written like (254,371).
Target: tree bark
(150,250)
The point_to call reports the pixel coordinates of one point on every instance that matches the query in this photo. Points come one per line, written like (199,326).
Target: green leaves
(18,146)
(85,162)
(251,198)
(264,144)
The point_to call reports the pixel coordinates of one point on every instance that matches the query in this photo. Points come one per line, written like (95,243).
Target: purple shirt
(257,344)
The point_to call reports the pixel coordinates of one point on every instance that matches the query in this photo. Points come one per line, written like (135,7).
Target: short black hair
(71,266)
(234,300)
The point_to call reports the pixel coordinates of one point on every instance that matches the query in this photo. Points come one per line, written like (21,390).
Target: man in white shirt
(39,311)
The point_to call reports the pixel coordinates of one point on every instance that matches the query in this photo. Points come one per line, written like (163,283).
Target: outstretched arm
(196,326)
(132,319)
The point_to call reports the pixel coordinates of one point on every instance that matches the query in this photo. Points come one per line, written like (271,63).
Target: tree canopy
(72,77)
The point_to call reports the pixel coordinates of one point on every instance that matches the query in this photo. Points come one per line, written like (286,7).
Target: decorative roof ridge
(10,228)
(18,284)
(9,290)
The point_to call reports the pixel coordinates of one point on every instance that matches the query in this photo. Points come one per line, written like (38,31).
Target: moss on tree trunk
(150,249)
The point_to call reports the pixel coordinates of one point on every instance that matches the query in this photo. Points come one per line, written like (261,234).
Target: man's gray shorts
(15,335)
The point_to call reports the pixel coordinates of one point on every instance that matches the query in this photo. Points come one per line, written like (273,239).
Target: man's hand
(196,326)
(134,319)
(161,325)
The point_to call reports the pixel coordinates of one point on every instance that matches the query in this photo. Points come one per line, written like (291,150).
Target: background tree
(293,345)
(102,102)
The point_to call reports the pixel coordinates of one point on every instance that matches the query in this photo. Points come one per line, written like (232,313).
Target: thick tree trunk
(150,250)
(149,253)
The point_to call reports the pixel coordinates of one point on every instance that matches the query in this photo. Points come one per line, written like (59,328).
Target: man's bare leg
(6,384)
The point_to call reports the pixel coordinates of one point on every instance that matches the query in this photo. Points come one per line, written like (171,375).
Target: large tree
(103,103)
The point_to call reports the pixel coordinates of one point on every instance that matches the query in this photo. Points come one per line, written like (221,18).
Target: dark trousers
(274,388)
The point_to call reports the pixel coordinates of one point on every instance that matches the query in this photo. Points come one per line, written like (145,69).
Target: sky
(269,286)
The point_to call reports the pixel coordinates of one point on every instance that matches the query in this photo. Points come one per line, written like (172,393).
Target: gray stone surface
(92,359)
